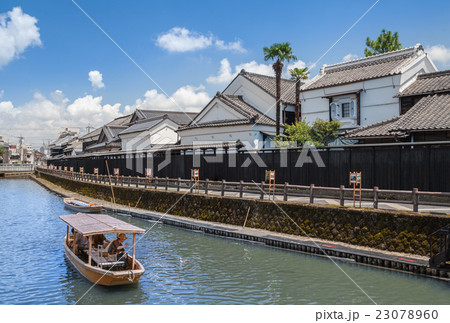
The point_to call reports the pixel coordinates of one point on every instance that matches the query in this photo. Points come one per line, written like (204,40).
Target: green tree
(298,74)
(300,132)
(386,42)
(322,132)
(279,52)
(2,152)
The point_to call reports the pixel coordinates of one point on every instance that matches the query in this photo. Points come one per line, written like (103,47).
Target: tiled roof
(430,113)
(428,83)
(120,121)
(116,122)
(114,131)
(103,145)
(142,125)
(251,114)
(371,67)
(380,129)
(179,117)
(205,145)
(268,84)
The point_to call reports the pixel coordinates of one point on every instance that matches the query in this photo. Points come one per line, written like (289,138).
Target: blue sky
(45,83)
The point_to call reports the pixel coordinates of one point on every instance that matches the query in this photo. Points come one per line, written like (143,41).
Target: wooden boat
(94,264)
(82,206)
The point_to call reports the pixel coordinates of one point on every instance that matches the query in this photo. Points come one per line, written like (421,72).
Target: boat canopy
(92,224)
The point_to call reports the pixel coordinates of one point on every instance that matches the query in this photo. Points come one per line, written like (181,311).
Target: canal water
(182,267)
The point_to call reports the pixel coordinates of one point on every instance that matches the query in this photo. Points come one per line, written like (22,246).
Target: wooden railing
(284,191)
(16,168)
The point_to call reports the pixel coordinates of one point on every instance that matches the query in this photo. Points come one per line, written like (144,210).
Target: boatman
(116,247)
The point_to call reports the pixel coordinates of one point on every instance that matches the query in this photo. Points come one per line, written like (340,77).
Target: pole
(245,222)
(90,250)
(110,183)
(354,192)
(134,251)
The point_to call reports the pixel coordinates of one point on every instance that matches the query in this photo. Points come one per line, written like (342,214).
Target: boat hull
(83,209)
(104,277)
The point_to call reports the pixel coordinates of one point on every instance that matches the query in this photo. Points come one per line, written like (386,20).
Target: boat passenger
(71,238)
(82,242)
(100,240)
(116,247)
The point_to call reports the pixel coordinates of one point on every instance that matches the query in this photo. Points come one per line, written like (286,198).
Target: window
(343,109)
(289,117)
(346,110)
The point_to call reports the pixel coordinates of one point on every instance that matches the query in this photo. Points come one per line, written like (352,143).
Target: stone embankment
(367,236)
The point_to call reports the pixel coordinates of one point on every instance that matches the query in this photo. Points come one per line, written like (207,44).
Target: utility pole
(21,149)
(88,128)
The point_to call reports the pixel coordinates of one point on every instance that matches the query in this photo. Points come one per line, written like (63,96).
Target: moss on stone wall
(386,230)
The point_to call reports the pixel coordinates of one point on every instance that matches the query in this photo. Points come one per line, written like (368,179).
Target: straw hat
(121,236)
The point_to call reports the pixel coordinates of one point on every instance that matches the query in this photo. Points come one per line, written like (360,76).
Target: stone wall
(386,230)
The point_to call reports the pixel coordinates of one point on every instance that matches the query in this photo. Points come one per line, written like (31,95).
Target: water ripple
(182,267)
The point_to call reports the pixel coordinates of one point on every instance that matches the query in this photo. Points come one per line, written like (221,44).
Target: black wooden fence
(396,167)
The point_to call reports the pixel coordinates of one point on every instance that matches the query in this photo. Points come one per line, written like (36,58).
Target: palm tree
(280,52)
(297,75)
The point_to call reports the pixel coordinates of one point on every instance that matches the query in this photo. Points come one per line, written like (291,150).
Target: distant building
(57,146)
(4,159)
(39,158)
(90,141)
(149,128)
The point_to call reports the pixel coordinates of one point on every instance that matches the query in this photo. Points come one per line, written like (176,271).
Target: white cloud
(17,32)
(439,53)
(254,67)
(349,57)
(297,64)
(43,117)
(233,46)
(226,74)
(6,107)
(181,40)
(188,98)
(2,92)
(96,79)
(89,109)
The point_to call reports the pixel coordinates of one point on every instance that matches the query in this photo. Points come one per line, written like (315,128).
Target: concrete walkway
(334,250)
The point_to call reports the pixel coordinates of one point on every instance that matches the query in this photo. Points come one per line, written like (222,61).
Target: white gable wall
(250,135)
(377,98)
(217,111)
(422,65)
(163,133)
(253,95)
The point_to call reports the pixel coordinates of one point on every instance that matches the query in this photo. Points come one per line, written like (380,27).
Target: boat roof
(91,224)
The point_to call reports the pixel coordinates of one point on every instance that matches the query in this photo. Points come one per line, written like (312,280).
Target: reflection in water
(182,267)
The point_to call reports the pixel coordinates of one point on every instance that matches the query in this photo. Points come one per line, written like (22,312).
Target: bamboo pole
(75,242)
(134,251)
(90,250)
(138,200)
(110,183)
(245,222)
